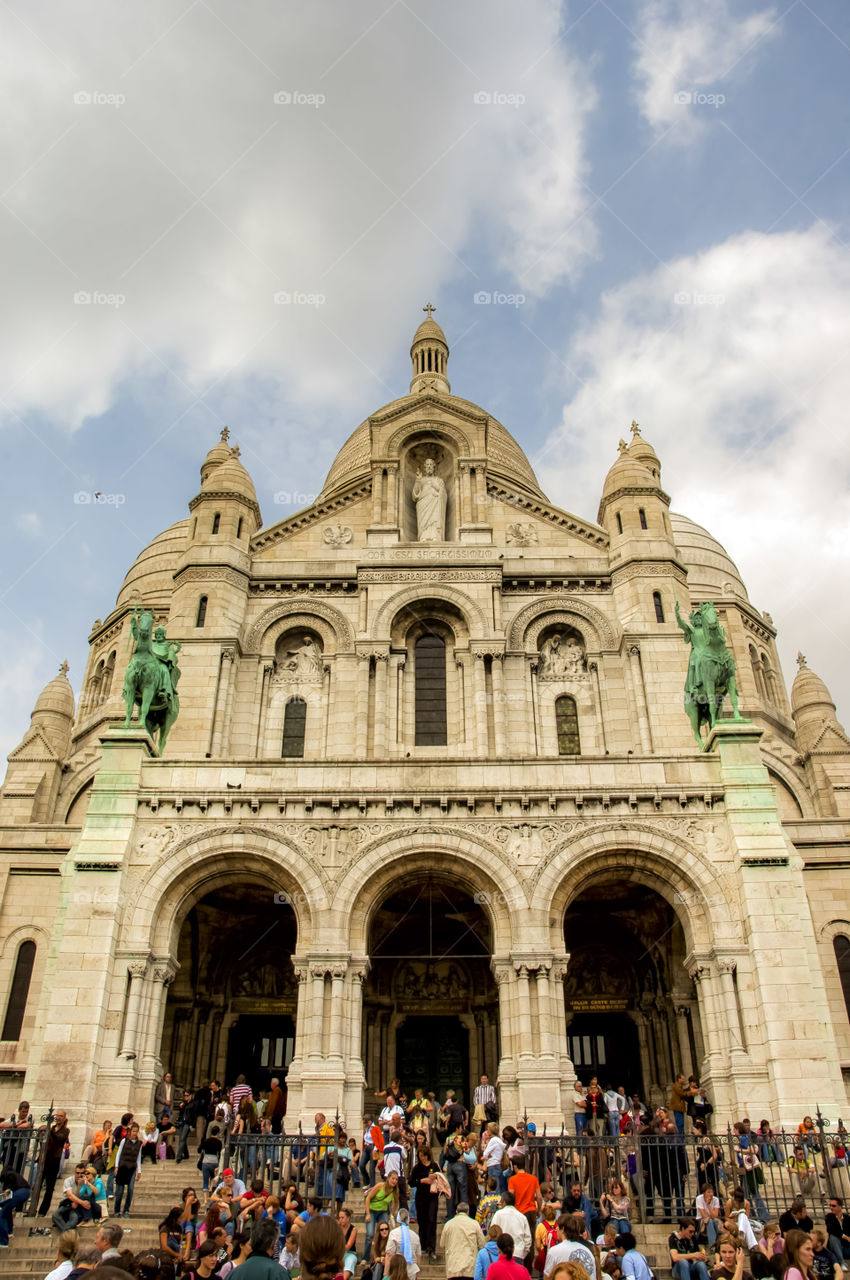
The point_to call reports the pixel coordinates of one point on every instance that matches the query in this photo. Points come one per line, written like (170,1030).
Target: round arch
(332,625)
(437,592)
(364,883)
(192,868)
(433,430)
(598,631)
(664,863)
(787,776)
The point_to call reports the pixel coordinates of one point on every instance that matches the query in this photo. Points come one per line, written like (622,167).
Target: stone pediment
(35,749)
(832,740)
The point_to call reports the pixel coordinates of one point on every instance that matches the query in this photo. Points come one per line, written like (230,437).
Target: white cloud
(685,50)
(29,522)
(743,391)
(181,197)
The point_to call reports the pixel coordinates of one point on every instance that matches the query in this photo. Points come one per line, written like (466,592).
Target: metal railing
(664,1173)
(22,1150)
(309,1163)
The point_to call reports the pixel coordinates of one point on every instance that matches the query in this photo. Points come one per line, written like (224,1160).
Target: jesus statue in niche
(429,495)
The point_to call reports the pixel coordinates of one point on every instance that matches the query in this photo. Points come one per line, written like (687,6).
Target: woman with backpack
(128,1169)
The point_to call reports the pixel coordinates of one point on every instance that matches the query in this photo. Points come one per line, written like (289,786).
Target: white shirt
(701,1207)
(494,1151)
(388,1114)
(568,1251)
(60,1272)
(394,1246)
(612,1099)
(515,1224)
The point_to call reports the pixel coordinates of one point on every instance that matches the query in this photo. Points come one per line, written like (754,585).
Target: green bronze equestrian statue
(711,669)
(150,680)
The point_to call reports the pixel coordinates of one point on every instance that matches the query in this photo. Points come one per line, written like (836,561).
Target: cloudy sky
(655,190)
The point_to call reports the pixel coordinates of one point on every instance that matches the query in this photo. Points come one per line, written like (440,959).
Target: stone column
(380,737)
(502,975)
(264,675)
(726,968)
(593,668)
(399,708)
(338,1043)
(222,722)
(138,970)
(544,1015)
(460,688)
(316,1016)
(392,494)
(361,706)
(684,1039)
(301,1038)
(559,1014)
(639,1020)
(640,699)
(523,997)
(498,683)
(532,681)
(377,496)
(162,978)
(480,694)
(466,494)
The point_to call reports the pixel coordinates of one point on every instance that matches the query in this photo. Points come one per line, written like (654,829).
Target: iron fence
(664,1173)
(311,1163)
(22,1150)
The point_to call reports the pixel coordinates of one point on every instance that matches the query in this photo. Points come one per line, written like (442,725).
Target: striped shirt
(237,1093)
(483,1094)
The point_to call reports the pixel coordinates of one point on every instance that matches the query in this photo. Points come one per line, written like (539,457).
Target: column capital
(726,964)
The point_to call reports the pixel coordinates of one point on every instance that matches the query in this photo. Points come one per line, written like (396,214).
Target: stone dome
(219,453)
(230,477)
(711,571)
(57,697)
(808,690)
(428,331)
(151,573)
(628,472)
(505,458)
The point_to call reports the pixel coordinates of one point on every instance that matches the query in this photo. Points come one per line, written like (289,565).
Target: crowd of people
(510,1206)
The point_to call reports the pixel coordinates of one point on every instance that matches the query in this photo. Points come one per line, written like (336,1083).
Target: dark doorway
(606,1045)
(433,1054)
(259,1048)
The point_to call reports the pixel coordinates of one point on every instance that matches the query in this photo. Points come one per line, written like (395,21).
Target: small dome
(428,331)
(711,571)
(219,453)
(808,690)
(628,472)
(644,452)
(57,696)
(152,572)
(230,477)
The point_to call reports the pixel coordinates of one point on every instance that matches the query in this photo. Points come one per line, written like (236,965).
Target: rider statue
(150,681)
(711,669)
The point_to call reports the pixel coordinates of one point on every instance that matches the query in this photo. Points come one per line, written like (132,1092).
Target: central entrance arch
(431,1005)
(632,1011)
(231,1009)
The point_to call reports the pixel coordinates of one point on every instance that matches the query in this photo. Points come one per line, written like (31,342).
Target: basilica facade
(431,806)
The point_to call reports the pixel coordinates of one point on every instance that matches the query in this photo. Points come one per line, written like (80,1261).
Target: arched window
(17,1006)
(430,662)
(294,725)
(768,677)
(216,522)
(659,607)
(239,525)
(566,722)
(202,612)
(642,516)
(841,946)
(619,520)
(97,682)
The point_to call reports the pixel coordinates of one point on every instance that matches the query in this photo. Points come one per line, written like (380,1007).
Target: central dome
(505,459)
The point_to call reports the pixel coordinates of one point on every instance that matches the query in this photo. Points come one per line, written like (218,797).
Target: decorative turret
(429,354)
(35,766)
(226,508)
(822,740)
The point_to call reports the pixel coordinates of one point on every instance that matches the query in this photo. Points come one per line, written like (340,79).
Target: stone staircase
(32,1257)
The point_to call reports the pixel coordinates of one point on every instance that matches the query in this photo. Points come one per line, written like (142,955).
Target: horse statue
(711,669)
(150,680)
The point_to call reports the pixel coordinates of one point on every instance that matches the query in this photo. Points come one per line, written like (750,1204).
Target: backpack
(551,1238)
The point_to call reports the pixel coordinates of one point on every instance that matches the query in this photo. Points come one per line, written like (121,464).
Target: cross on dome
(429,309)
(635,428)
